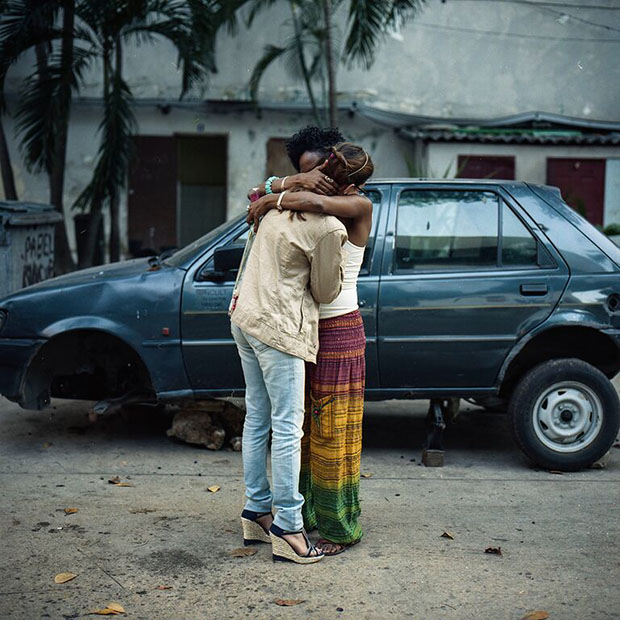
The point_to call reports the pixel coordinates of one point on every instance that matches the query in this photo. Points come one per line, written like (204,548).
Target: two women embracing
(301,341)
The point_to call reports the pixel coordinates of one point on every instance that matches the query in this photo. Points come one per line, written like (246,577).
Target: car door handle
(531,290)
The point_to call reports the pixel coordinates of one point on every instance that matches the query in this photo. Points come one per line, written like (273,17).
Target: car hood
(86,276)
(122,293)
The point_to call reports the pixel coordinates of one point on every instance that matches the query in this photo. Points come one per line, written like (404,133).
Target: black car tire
(556,379)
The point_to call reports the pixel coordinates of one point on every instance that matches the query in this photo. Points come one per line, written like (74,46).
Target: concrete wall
(612,191)
(247,150)
(459,57)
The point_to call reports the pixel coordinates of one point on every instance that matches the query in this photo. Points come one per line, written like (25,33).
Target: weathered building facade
(470,88)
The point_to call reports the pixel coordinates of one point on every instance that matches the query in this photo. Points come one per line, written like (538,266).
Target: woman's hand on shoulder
(315,181)
(259,207)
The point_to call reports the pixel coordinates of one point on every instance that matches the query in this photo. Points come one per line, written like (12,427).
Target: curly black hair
(313,139)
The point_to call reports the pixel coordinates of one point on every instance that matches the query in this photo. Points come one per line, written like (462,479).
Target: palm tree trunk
(8,179)
(329,59)
(64,260)
(304,66)
(96,205)
(115,236)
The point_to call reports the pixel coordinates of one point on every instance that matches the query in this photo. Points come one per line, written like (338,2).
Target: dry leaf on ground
(64,577)
(163,588)
(111,609)
(536,615)
(366,475)
(70,511)
(243,552)
(556,471)
(288,602)
(214,489)
(116,481)
(494,550)
(447,535)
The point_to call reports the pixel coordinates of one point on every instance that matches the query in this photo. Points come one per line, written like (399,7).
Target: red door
(582,183)
(152,199)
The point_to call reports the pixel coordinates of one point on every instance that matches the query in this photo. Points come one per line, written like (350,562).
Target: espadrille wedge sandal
(253,531)
(283,552)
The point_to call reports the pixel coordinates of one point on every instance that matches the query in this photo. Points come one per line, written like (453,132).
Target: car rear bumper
(15,355)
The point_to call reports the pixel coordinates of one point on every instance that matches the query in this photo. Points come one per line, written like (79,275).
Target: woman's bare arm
(351,206)
(313,181)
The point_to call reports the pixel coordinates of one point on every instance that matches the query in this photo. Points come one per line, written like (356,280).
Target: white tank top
(347,299)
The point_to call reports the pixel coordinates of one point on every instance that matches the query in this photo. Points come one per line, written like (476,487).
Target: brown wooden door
(486,167)
(582,183)
(152,199)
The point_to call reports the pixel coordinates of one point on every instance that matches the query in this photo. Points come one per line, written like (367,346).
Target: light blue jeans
(274,399)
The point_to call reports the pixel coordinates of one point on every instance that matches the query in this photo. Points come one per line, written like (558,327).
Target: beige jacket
(294,266)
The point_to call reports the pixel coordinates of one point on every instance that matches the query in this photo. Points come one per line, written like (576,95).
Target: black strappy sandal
(284,552)
(253,531)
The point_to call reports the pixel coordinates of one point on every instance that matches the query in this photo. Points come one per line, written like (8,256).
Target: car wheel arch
(581,340)
(67,353)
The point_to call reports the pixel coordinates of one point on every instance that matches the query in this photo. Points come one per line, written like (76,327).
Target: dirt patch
(170,561)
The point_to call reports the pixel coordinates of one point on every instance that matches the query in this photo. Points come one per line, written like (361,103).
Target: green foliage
(368,21)
(612,229)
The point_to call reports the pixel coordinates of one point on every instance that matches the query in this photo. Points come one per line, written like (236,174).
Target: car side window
(446,230)
(375,197)
(519,247)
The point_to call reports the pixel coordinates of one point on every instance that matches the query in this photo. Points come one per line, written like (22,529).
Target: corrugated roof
(524,119)
(512,137)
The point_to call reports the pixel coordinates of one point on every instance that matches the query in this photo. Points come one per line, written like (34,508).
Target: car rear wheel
(565,414)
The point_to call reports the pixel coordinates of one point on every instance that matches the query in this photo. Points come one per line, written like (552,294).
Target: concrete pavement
(558,533)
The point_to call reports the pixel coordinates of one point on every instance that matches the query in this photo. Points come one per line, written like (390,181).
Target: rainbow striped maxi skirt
(332,443)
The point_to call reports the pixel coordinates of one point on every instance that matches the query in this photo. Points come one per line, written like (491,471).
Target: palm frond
(402,11)
(41,109)
(270,54)
(116,128)
(370,20)
(24,24)
(256,6)
(366,25)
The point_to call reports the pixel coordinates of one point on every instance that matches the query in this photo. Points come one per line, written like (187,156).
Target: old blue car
(495,291)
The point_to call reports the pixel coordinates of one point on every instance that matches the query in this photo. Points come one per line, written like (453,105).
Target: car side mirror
(225,261)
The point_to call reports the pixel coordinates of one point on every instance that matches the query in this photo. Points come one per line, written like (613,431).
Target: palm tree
(368,21)
(47,27)
(302,51)
(191,27)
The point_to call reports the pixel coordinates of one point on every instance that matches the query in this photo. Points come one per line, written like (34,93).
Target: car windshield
(186,254)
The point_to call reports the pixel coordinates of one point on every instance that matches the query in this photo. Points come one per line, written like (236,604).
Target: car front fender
(162,356)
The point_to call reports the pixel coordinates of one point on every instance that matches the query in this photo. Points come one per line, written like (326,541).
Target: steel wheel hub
(567,416)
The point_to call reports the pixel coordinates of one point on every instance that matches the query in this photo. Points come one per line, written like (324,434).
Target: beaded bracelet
(268,183)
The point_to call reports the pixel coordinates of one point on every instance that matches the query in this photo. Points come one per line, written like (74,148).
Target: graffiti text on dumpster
(38,257)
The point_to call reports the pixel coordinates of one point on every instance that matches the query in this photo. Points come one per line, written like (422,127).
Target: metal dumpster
(26,244)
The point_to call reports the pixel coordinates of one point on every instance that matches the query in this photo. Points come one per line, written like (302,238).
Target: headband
(360,168)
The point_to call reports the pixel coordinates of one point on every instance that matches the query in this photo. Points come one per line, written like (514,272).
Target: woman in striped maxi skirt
(332,442)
